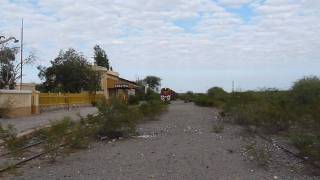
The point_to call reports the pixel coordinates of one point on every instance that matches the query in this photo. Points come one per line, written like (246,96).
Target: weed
(218,128)
(152,108)
(55,136)
(259,154)
(308,144)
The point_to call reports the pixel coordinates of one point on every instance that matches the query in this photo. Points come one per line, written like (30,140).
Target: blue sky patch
(245,12)
(187,24)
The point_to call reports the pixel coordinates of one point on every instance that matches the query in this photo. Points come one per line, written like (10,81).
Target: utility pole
(232,86)
(21,54)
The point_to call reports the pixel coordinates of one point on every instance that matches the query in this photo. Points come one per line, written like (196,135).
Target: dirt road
(180,145)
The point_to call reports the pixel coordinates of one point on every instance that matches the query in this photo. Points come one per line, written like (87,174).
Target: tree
(10,68)
(153,82)
(69,72)
(216,92)
(306,91)
(100,57)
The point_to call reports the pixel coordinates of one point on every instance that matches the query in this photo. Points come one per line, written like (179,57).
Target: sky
(191,44)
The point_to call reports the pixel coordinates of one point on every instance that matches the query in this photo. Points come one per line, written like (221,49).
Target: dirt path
(180,145)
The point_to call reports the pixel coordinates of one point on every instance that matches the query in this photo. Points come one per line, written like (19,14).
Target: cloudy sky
(190,44)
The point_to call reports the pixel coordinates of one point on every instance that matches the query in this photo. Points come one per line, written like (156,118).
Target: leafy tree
(153,82)
(216,92)
(306,90)
(100,57)
(69,72)
(10,68)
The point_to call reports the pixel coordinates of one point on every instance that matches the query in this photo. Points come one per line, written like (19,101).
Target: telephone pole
(21,54)
(232,86)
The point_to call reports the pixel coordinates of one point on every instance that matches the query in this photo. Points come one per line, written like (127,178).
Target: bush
(151,95)
(203,100)
(306,91)
(116,119)
(308,144)
(55,136)
(151,108)
(217,92)
(79,135)
(133,100)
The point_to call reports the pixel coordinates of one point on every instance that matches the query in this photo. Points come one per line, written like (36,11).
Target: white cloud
(234,3)
(142,34)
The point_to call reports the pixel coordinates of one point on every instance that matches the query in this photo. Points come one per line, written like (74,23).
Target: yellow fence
(56,99)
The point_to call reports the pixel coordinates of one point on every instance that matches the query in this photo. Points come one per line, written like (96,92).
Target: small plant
(55,136)
(308,144)
(257,153)
(79,135)
(218,128)
(9,135)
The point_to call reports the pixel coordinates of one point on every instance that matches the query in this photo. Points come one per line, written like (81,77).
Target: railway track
(286,150)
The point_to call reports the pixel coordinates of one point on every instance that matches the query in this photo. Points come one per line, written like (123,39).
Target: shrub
(9,136)
(56,135)
(133,100)
(306,91)
(79,135)
(203,100)
(217,92)
(151,95)
(308,144)
(151,108)
(116,119)
(259,154)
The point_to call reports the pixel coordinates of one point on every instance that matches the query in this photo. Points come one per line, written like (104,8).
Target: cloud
(175,37)
(233,3)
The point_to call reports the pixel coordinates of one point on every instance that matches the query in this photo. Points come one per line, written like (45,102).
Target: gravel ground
(26,123)
(180,145)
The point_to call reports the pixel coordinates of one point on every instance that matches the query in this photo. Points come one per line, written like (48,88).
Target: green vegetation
(115,119)
(259,154)
(294,112)
(10,67)
(133,100)
(69,72)
(100,57)
(153,82)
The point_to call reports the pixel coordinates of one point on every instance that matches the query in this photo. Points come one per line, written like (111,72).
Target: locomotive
(166,94)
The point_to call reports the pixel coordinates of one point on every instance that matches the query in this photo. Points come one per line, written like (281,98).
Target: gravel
(179,145)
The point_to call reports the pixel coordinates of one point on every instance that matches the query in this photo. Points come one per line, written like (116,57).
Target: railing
(56,99)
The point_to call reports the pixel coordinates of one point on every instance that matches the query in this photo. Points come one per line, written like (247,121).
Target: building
(114,86)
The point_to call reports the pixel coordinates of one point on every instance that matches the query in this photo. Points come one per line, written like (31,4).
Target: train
(167,94)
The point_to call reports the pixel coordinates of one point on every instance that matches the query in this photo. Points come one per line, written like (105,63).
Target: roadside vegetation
(116,119)
(293,113)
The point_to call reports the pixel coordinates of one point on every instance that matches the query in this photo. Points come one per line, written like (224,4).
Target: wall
(16,103)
